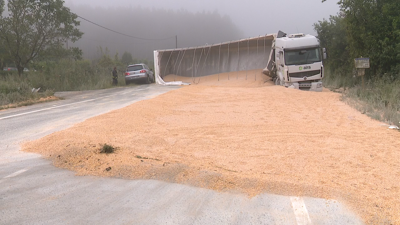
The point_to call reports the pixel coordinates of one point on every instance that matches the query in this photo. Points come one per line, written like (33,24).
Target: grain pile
(242,135)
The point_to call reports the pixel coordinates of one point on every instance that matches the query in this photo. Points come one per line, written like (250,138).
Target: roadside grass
(16,91)
(51,77)
(38,99)
(67,75)
(379,99)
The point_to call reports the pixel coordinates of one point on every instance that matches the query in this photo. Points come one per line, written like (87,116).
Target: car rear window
(134,68)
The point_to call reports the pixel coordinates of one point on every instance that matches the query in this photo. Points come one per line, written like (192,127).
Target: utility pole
(176,41)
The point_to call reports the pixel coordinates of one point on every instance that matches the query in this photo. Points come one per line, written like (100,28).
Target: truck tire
(277,81)
(148,81)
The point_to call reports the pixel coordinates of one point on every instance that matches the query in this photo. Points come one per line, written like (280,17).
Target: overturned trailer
(195,62)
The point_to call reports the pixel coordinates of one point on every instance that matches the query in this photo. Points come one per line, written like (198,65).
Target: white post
(257,55)
(264,44)
(238,66)
(219,60)
(157,66)
(228,60)
(248,55)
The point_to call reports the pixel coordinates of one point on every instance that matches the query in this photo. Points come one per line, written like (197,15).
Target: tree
(332,35)
(127,58)
(373,30)
(105,60)
(59,52)
(117,62)
(33,26)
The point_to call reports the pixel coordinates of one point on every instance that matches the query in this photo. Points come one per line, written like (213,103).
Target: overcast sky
(253,17)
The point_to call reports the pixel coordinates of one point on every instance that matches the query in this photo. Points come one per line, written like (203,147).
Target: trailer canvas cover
(195,62)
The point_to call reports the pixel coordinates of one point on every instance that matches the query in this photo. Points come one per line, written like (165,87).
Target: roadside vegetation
(46,77)
(365,29)
(37,61)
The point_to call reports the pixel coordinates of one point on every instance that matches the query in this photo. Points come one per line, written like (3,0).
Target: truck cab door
(281,60)
(280,65)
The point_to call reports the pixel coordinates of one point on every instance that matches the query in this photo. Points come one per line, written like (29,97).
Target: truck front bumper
(310,86)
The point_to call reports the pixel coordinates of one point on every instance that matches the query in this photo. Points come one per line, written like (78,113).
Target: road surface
(32,191)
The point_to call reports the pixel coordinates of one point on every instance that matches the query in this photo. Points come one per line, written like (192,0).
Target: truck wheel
(277,81)
(148,81)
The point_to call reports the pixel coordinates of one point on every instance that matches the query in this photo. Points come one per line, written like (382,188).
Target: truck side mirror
(324,53)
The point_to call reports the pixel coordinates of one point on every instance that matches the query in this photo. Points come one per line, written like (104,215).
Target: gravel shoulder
(242,135)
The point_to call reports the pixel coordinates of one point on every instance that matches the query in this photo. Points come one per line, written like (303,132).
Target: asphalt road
(32,191)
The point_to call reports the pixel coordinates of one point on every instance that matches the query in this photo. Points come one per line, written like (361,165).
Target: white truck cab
(296,62)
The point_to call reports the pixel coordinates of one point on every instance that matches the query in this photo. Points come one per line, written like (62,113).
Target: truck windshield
(302,56)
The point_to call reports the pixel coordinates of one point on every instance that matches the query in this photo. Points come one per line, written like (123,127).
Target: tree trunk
(20,70)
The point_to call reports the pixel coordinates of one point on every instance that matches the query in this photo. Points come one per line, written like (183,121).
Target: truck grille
(305,74)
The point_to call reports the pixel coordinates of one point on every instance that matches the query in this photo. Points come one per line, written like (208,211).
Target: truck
(295,61)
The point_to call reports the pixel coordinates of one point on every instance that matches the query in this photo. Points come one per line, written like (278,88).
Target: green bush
(107,149)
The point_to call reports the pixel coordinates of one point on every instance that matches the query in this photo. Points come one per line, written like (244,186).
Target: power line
(146,39)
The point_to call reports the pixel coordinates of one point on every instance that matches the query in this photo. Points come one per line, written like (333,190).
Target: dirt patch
(242,135)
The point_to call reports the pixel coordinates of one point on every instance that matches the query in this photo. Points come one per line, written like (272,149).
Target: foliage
(58,52)
(365,28)
(54,75)
(105,60)
(61,74)
(117,62)
(71,75)
(332,36)
(379,99)
(32,27)
(16,91)
(373,31)
(127,58)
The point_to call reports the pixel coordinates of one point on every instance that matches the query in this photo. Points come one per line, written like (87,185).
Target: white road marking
(300,211)
(54,107)
(40,110)
(16,173)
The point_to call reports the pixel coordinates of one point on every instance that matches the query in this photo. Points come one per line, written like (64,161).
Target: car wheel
(148,81)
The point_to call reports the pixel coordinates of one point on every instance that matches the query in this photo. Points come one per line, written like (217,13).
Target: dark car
(139,72)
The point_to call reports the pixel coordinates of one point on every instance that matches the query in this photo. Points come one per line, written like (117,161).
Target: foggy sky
(253,17)
(194,22)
